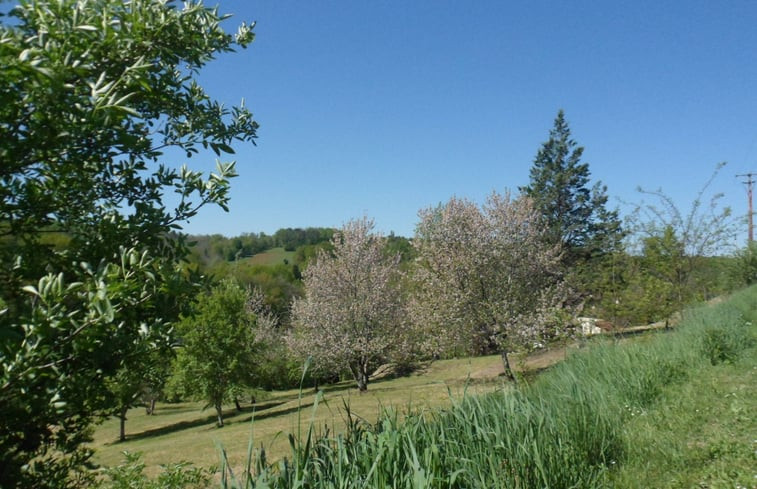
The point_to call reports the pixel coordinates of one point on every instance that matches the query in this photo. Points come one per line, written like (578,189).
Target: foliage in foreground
(130,475)
(92,93)
(568,429)
(700,433)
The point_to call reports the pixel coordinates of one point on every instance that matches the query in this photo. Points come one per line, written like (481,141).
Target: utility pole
(749,182)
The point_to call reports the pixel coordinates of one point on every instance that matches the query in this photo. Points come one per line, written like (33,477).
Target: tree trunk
(237,405)
(122,424)
(360,373)
(150,406)
(508,369)
(362,381)
(219,414)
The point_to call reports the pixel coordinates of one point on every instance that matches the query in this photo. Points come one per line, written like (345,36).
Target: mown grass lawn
(183,431)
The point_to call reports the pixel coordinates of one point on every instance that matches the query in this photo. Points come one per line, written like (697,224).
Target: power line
(749,182)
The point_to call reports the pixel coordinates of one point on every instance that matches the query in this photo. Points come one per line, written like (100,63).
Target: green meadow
(668,409)
(185,431)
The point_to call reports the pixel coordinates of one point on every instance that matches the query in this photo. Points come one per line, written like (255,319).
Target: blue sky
(386,107)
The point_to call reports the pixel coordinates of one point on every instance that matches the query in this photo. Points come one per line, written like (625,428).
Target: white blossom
(351,314)
(486,277)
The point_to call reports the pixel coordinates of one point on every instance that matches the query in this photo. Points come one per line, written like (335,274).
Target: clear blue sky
(382,108)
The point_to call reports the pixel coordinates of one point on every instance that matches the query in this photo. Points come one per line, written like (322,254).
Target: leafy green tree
(576,214)
(649,281)
(134,385)
(218,352)
(130,475)
(678,246)
(277,282)
(663,259)
(92,93)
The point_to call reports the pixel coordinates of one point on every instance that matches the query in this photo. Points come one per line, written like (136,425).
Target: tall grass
(565,430)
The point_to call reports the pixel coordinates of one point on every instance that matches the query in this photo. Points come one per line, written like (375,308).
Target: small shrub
(744,271)
(721,345)
(130,475)
(722,332)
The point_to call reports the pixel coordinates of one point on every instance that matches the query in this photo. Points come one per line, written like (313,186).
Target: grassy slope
(669,418)
(185,432)
(702,433)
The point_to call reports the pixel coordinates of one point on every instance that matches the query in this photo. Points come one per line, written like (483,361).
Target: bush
(745,266)
(721,345)
(722,332)
(130,475)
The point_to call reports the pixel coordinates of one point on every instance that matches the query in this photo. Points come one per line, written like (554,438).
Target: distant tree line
(210,249)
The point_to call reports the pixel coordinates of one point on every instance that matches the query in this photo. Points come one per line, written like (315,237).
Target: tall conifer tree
(576,213)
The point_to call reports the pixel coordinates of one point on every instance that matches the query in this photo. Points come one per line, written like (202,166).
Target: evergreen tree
(575,213)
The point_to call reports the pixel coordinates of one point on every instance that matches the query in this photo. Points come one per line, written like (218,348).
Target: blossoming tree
(486,278)
(351,314)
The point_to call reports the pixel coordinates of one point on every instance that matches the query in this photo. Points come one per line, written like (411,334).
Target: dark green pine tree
(576,213)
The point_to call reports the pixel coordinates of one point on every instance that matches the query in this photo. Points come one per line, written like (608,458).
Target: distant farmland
(274,256)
